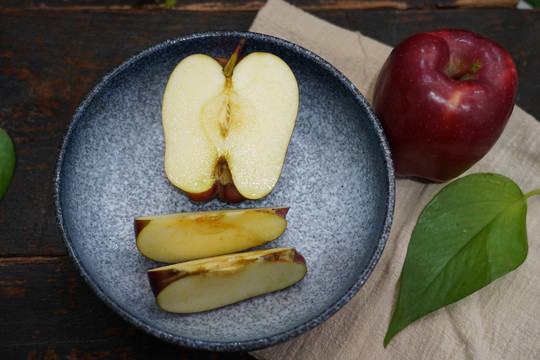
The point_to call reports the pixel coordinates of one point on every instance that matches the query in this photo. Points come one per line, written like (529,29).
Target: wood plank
(242,20)
(251,5)
(49,61)
(48,312)
(39,93)
(475,4)
(231,20)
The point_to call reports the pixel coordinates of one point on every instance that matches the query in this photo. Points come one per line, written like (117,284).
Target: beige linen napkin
(501,321)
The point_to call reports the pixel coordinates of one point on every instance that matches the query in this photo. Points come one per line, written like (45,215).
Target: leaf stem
(532,193)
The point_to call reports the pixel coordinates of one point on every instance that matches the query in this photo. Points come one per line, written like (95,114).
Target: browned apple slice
(210,283)
(173,238)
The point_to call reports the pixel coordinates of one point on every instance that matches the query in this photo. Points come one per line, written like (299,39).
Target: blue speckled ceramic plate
(337,178)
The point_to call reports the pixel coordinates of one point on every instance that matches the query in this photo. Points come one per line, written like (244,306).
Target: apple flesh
(443,99)
(210,283)
(172,238)
(227,129)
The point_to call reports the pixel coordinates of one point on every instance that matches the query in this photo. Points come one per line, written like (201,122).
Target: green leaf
(534,3)
(7,162)
(471,233)
(169,4)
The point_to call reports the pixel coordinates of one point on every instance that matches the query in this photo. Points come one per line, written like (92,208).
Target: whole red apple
(443,99)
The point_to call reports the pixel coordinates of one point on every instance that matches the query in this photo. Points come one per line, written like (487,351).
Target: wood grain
(54,315)
(251,5)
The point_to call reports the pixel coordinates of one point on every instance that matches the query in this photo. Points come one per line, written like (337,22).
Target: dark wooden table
(53,52)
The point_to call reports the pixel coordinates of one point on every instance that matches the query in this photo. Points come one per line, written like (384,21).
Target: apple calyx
(222,172)
(224,188)
(468,72)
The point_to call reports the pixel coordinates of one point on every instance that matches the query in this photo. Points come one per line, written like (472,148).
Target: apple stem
(468,72)
(231,63)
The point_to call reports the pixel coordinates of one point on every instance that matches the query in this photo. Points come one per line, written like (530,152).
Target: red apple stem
(231,63)
(468,72)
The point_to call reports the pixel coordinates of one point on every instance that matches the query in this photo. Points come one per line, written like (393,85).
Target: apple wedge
(172,238)
(211,283)
(227,128)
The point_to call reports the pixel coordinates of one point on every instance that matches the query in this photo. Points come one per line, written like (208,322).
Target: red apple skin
(281,211)
(299,258)
(159,280)
(204,196)
(224,192)
(438,126)
(229,193)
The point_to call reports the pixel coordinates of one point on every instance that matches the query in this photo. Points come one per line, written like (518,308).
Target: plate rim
(245,345)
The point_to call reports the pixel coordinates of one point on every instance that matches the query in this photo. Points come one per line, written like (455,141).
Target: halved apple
(227,129)
(211,283)
(172,238)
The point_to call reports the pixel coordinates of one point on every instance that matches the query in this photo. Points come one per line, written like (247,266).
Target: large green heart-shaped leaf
(471,233)
(7,161)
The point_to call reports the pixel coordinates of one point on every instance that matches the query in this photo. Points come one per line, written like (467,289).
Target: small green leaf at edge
(471,233)
(534,3)
(7,162)
(169,4)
